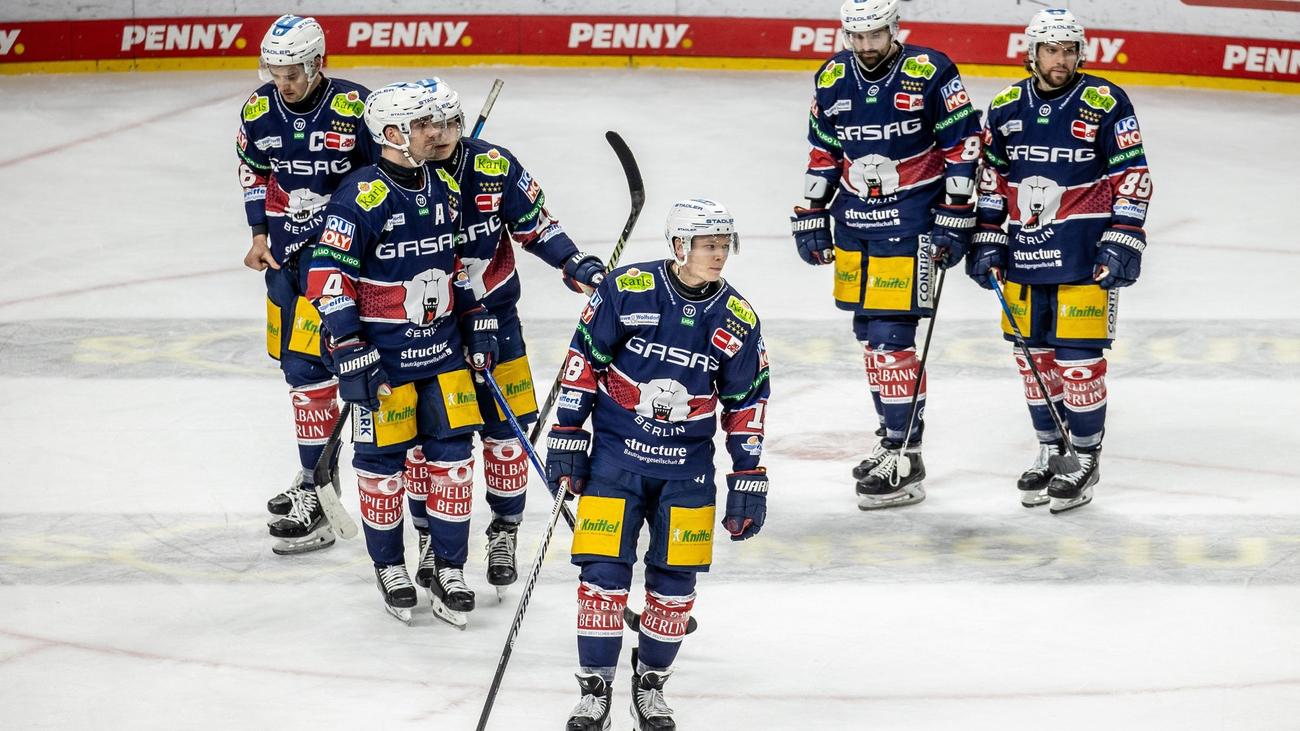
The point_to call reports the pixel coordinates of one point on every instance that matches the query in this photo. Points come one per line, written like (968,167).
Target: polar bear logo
(874,176)
(1039,200)
(428,296)
(664,399)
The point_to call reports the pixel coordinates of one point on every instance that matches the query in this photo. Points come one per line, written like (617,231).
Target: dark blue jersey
(503,201)
(388,269)
(890,146)
(1058,172)
(651,367)
(290,163)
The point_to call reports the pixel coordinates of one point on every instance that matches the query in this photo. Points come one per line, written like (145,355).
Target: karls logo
(9,42)
(629,35)
(188,37)
(1099,49)
(1260,59)
(388,34)
(827,39)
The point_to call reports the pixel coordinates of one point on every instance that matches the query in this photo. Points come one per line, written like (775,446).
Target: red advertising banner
(753,39)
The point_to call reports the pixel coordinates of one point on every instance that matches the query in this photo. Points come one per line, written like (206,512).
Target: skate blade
(317,540)
(452,617)
(1060,505)
(501,594)
(1034,498)
(897,499)
(401,614)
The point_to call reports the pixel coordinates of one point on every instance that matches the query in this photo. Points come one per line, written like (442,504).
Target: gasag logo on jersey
(878,131)
(338,233)
(919,67)
(371,193)
(829,75)
(1040,153)
(954,95)
(1006,96)
(1083,131)
(268,143)
(255,107)
(348,105)
(670,354)
(741,309)
(423,247)
(726,342)
(389,34)
(1127,133)
(629,35)
(640,319)
(186,37)
(488,202)
(909,102)
(635,280)
(1098,97)
(491,163)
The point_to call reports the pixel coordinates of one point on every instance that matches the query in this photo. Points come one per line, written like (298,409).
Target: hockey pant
(293,339)
(891,362)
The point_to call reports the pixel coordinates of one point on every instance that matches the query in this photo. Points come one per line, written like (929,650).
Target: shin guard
(418,482)
(1084,384)
(315,411)
(896,371)
(450,500)
(381,515)
(1045,361)
(602,596)
(505,469)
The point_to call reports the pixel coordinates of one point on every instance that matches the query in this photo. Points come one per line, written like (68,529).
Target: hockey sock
(451,496)
(873,382)
(315,411)
(1083,378)
(381,513)
(418,480)
(505,468)
(602,595)
(897,371)
(1045,361)
(669,597)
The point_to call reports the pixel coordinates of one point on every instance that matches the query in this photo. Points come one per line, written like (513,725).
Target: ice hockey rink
(145,427)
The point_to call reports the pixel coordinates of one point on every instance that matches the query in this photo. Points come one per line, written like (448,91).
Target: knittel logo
(600,526)
(692,536)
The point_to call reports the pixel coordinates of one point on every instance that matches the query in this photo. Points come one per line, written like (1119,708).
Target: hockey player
(501,201)
(1066,173)
(297,140)
(659,345)
(894,143)
(389,282)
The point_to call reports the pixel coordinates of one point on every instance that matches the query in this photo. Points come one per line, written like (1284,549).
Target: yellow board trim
(433,62)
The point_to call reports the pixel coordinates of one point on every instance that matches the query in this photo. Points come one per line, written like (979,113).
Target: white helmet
(698,217)
(1054,25)
(862,16)
(446,100)
(398,105)
(290,41)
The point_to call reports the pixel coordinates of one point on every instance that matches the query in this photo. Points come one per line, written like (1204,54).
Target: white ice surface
(137,590)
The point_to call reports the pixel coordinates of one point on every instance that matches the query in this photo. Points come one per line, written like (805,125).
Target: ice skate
(1074,489)
(399,593)
(304,528)
(424,570)
(592,711)
(650,712)
(878,453)
(1033,481)
(883,487)
(450,596)
(501,571)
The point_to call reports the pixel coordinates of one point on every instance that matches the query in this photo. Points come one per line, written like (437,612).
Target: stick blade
(1062,464)
(630,169)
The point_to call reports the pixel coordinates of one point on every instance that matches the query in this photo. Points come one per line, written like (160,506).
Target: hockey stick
(487,107)
(1058,463)
(905,465)
(330,503)
(537,562)
(636,188)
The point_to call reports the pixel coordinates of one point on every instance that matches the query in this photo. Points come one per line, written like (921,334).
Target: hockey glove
(1119,257)
(990,253)
(362,379)
(481,340)
(746,503)
(950,237)
(812,235)
(568,459)
(583,272)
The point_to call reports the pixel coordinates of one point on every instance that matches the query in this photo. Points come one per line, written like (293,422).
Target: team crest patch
(349,105)
(831,74)
(741,309)
(635,280)
(371,194)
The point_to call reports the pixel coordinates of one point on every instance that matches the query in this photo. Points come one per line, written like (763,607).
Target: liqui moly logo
(182,37)
(629,35)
